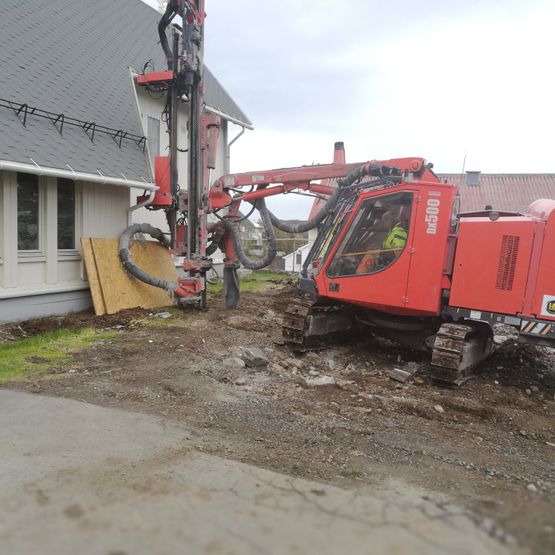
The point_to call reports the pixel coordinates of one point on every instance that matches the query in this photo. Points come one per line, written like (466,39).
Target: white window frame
(35,255)
(72,254)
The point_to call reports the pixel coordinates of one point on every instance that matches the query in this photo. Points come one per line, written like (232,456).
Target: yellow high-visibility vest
(396,239)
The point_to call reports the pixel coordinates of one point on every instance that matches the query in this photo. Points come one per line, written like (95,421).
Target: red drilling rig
(393,254)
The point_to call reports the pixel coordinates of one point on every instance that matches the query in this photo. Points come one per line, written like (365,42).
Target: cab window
(378,236)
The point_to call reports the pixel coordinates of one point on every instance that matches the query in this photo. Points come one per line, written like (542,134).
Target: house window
(27,212)
(153,137)
(66,214)
(299,256)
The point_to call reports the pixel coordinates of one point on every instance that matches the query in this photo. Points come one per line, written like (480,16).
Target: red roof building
(507,192)
(510,192)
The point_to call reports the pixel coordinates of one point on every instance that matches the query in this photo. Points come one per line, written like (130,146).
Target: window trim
(25,257)
(33,255)
(67,255)
(71,254)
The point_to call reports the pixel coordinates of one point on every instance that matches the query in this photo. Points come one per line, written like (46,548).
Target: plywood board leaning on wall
(119,289)
(92,277)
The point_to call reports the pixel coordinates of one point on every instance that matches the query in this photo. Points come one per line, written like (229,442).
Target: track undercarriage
(459,349)
(456,349)
(310,324)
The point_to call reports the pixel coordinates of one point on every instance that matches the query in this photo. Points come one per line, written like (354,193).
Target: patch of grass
(256,281)
(178,315)
(31,357)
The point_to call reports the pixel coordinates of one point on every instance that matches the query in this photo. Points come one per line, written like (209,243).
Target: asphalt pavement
(78,478)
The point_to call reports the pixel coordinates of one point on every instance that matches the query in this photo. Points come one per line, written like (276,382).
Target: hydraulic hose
(126,240)
(269,220)
(310,224)
(173,8)
(271,252)
(348,180)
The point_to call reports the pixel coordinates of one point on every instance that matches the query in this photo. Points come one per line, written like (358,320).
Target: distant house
(77,139)
(252,236)
(294,261)
(289,242)
(512,192)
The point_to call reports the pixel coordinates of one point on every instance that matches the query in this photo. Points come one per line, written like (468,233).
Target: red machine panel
(163,196)
(492,264)
(544,294)
(155,78)
(429,248)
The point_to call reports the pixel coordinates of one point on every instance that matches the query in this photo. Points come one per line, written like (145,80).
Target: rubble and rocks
(239,322)
(399,375)
(162,315)
(254,357)
(292,363)
(236,362)
(500,339)
(277,368)
(320,380)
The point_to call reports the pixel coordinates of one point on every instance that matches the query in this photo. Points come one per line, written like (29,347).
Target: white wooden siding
(101,211)
(104,210)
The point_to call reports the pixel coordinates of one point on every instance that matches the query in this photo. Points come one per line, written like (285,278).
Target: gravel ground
(335,415)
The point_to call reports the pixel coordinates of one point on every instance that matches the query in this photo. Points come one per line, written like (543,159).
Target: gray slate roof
(72,57)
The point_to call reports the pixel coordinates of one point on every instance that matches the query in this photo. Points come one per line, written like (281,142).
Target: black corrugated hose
(271,252)
(269,220)
(126,240)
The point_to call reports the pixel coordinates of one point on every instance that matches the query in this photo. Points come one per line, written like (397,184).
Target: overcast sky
(435,78)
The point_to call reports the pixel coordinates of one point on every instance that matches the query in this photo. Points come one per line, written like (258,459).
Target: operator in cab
(391,247)
(396,238)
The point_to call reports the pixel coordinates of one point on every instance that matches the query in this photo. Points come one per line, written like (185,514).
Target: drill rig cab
(386,248)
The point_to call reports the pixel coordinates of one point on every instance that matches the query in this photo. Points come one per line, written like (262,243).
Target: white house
(294,261)
(73,148)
